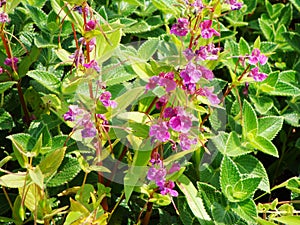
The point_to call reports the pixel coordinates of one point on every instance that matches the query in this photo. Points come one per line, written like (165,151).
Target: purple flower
(206,73)
(155,158)
(256,57)
(2,3)
(167,188)
(207,31)
(169,112)
(90,25)
(153,82)
(160,131)
(207,52)
(180,28)
(1,70)
(4,18)
(175,167)
(12,62)
(185,142)
(93,65)
(257,76)
(157,175)
(189,54)
(92,43)
(78,57)
(208,92)
(190,74)
(234,4)
(104,121)
(164,79)
(181,122)
(161,102)
(80,10)
(74,111)
(88,132)
(105,99)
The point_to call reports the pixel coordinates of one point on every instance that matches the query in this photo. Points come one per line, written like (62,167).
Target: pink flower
(207,31)
(160,131)
(180,28)
(256,57)
(257,76)
(74,111)
(4,18)
(12,62)
(182,121)
(92,64)
(105,99)
(190,74)
(208,92)
(185,142)
(90,25)
(234,4)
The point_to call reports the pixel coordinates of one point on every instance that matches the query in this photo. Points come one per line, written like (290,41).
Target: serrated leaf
(248,165)
(269,126)
(138,27)
(48,80)
(148,48)
(194,201)
(229,176)
(246,210)
(250,123)
(251,6)
(266,29)
(37,176)
(222,216)
(6,120)
(290,220)
(285,89)
(268,47)
(262,104)
(13,180)
(244,189)
(293,39)
(292,118)
(234,146)
(38,16)
(244,48)
(67,171)
(33,196)
(116,75)
(51,162)
(6,85)
(265,145)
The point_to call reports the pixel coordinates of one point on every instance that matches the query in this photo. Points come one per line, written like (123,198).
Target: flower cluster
(158,173)
(234,4)
(165,80)
(254,59)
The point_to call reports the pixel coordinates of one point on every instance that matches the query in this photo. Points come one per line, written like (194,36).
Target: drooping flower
(104,123)
(90,25)
(73,112)
(190,75)
(185,142)
(256,57)
(93,64)
(182,121)
(167,188)
(208,92)
(153,82)
(257,76)
(78,57)
(207,52)
(181,28)
(12,62)
(161,102)
(206,73)
(4,18)
(92,43)
(189,54)
(160,131)
(165,80)
(234,4)
(105,99)
(207,31)
(169,112)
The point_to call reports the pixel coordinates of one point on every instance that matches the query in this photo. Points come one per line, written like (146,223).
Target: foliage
(149,112)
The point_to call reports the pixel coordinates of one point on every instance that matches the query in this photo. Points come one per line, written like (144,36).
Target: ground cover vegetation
(149,112)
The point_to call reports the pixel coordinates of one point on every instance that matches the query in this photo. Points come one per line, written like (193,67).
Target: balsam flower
(208,92)
(160,131)
(93,65)
(207,52)
(190,75)
(182,121)
(234,4)
(167,188)
(257,57)
(181,28)
(207,31)
(257,76)
(4,18)
(73,112)
(105,99)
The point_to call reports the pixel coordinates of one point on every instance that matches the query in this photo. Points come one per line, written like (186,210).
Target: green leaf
(148,48)
(67,171)
(137,172)
(292,38)
(38,17)
(244,48)
(222,216)
(28,60)
(246,210)
(266,29)
(265,145)
(244,189)
(229,176)
(234,146)
(248,165)
(167,6)
(267,47)
(262,104)
(264,222)
(250,122)
(269,126)
(251,6)
(6,120)
(48,80)
(290,220)
(296,3)
(51,162)
(116,74)
(194,201)
(138,27)
(37,176)
(6,85)
(13,180)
